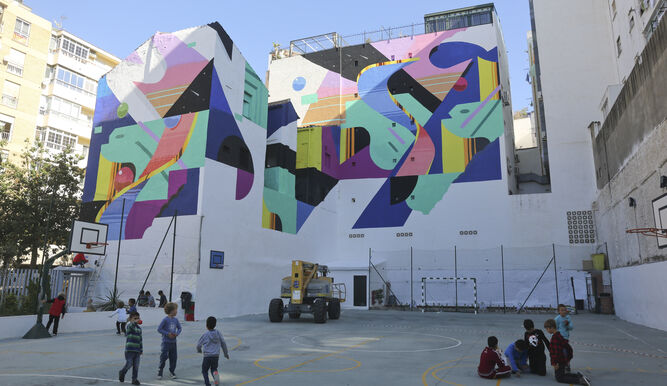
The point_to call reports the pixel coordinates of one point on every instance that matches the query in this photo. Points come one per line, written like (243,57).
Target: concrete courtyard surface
(361,348)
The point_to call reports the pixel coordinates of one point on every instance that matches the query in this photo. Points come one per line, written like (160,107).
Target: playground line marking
(310,361)
(70,376)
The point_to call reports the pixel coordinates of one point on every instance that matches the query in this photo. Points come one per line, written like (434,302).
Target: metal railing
(15,69)
(335,40)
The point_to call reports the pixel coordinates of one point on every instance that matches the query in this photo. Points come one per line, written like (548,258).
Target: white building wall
(524,133)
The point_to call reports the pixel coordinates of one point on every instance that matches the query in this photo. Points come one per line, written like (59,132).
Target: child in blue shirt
(517,354)
(170,328)
(211,342)
(563,321)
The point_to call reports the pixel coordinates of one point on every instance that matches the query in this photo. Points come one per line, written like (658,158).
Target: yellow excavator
(309,291)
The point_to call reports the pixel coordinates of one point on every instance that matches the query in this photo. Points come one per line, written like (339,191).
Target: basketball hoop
(657,232)
(95,245)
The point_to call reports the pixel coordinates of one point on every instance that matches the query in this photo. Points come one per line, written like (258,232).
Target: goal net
(439,291)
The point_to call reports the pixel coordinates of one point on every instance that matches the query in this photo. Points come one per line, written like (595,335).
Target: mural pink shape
(420,158)
(335,85)
(171,143)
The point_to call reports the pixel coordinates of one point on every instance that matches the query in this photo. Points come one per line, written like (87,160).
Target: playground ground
(361,348)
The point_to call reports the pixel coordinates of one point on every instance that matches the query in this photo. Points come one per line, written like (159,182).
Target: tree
(38,201)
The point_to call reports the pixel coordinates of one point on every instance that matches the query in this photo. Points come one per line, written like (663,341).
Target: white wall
(14,327)
(642,304)
(530,160)
(524,133)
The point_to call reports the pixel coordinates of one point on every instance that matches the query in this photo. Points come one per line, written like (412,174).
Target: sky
(120,26)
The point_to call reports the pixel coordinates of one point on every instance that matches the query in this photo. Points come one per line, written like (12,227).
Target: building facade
(615,114)
(367,157)
(50,82)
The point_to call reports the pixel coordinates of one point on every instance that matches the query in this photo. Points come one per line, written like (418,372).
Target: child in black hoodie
(536,343)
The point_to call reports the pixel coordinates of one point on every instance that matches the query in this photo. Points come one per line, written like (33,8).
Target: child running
(490,359)
(561,354)
(170,328)
(134,347)
(121,320)
(536,343)
(211,342)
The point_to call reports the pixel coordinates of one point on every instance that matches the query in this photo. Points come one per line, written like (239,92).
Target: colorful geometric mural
(421,113)
(158,116)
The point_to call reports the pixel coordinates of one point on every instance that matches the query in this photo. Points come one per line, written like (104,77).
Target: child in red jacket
(560,352)
(490,359)
(58,309)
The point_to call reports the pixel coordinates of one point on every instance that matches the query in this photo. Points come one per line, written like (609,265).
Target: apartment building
(49,83)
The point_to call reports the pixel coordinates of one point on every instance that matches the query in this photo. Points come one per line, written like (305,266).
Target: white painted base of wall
(642,304)
(13,327)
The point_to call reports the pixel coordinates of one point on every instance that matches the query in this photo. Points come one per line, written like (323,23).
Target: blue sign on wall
(217,259)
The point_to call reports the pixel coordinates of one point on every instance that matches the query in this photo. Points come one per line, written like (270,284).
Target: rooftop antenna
(59,24)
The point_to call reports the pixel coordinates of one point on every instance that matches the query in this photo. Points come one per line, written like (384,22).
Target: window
(454,20)
(55,139)
(64,107)
(21,30)
(49,72)
(15,62)
(74,81)
(10,94)
(5,130)
(4,155)
(74,49)
(54,44)
(618,46)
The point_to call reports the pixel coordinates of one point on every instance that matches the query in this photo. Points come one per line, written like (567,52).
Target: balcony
(10,101)
(4,135)
(73,93)
(89,68)
(77,126)
(15,69)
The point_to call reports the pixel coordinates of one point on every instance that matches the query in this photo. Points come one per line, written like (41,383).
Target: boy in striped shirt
(134,347)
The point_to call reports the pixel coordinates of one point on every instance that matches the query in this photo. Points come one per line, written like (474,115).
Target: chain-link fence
(500,278)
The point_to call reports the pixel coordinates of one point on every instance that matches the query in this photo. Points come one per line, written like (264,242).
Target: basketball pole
(120,238)
(173,253)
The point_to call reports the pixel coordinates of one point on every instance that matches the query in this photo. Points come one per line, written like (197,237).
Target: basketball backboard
(88,237)
(660,216)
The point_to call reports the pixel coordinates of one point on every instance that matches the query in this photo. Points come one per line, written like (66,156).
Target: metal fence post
(456,283)
(502,270)
(411,289)
(553,246)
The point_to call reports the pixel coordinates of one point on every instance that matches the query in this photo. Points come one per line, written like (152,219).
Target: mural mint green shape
(384,147)
(487,123)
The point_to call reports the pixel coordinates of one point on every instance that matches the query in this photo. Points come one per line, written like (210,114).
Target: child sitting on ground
(561,353)
(536,343)
(134,347)
(211,342)
(517,353)
(490,359)
(121,320)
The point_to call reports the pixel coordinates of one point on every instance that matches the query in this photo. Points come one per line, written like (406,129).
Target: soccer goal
(441,279)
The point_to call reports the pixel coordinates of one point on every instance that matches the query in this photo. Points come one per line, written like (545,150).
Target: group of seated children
(527,354)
